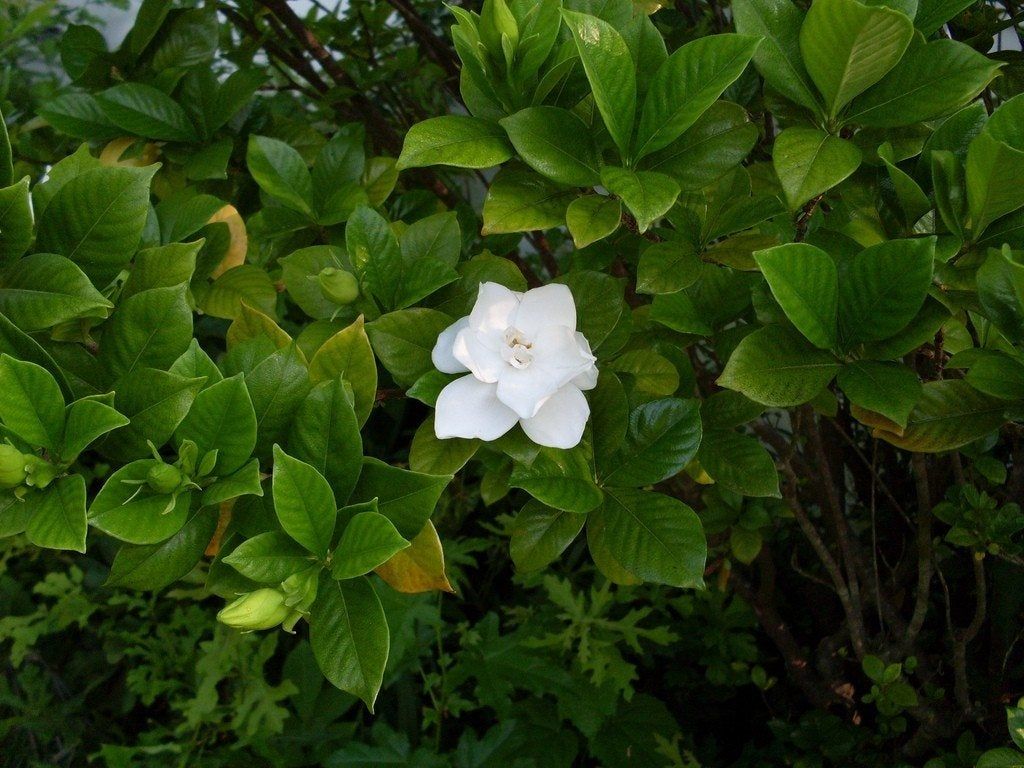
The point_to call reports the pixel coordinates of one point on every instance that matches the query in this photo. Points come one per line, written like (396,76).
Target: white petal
(473,350)
(587,379)
(524,390)
(495,308)
(442,356)
(469,408)
(560,421)
(545,306)
(556,351)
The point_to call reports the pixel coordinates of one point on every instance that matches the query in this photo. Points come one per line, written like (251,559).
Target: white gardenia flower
(527,363)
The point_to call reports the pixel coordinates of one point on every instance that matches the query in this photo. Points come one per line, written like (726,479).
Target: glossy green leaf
(778,58)
(57,512)
(805,282)
(592,218)
(151,329)
(519,200)
(31,403)
(348,355)
(738,463)
(775,366)
(647,195)
(349,634)
(281,172)
(662,438)
(269,558)
(154,566)
(810,162)
(555,143)
(560,479)
(325,435)
(540,534)
(654,537)
(369,540)
(610,70)
(146,111)
(886,388)
(16,220)
(128,509)
(406,498)
(847,47)
(687,84)
(462,141)
(222,419)
(304,502)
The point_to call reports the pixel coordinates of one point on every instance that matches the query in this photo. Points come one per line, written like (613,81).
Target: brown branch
(924,549)
(436,48)
(803,218)
(797,663)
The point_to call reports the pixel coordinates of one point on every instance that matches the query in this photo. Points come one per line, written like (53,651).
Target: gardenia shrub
(735,335)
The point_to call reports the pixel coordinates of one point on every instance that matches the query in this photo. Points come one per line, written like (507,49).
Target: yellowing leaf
(419,567)
(239,246)
(251,324)
(112,153)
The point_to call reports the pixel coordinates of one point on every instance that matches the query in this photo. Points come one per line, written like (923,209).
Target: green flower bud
(164,478)
(40,472)
(12,466)
(262,609)
(338,286)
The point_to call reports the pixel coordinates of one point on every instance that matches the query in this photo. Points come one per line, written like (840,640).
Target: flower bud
(338,285)
(12,466)
(164,478)
(40,472)
(262,609)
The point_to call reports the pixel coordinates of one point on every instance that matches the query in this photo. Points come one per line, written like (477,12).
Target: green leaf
(143,110)
(6,159)
(718,142)
(882,288)
(44,290)
(403,341)
(245,481)
(406,498)
(592,218)
(997,374)
(281,172)
(540,534)
(886,388)
(561,479)
(599,303)
(96,220)
(949,414)
(654,537)
(304,503)
(154,566)
(775,366)
(778,59)
(369,540)
(555,143)
(349,634)
(244,284)
(436,237)
(932,14)
(58,515)
(439,457)
(325,435)
(85,422)
(667,267)
(16,218)
(277,386)
(151,329)
(738,463)
(687,84)
(663,437)
(299,272)
(269,558)
(128,509)
(848,47)
(805,282)
(155,402)
(1001,757)
(31,403)
(931,80)
(995,166)
(647,194)
(810,162)
(519,200)
(165,266)
(222,419)
(79,115)
(610,70)
(461,141)
(347,354)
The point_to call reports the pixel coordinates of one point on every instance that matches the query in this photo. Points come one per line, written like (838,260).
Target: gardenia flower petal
(560,421)
(587,379)
(469,408)
(546,306)
(442,356)
(494,310)
(479,354)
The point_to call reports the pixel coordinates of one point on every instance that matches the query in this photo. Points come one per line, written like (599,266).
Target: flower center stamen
(517,349)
